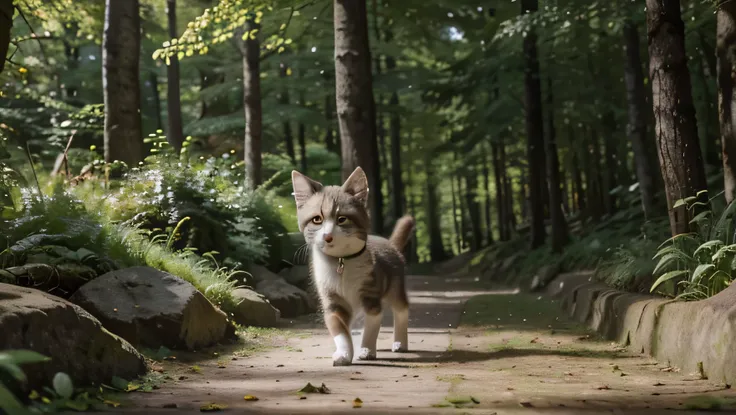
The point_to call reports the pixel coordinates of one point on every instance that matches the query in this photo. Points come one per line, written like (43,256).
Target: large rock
(261,273)
(297,275)
(75,341)
(290,300)
(61,280)
(153,308)
(253,309)
(544,276)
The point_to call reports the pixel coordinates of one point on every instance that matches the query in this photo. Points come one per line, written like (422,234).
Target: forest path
(513,353)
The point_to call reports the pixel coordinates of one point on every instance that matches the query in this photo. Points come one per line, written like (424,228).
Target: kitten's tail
(402,232)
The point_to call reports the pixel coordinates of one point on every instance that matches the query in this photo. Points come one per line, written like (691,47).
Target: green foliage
(702,263)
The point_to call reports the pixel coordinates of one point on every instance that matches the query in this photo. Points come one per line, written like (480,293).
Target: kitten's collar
(341,260)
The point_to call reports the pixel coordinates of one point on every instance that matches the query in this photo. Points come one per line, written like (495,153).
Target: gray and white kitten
(353,271)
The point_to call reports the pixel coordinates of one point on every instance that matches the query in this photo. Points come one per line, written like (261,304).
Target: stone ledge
(681,334)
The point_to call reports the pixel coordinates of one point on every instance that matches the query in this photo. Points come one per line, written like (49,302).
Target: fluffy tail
(402,232)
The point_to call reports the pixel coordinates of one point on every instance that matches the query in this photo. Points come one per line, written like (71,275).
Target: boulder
(297,275)
(152,308)
(75,341)
(61,280)
(544,276)
(261,273)
(290,300)
(253,309)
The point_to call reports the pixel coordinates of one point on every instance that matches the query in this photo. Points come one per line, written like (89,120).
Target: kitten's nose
(328,237)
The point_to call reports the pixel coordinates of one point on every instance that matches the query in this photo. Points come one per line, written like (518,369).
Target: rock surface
(75,341)
(290,300)
(152,308)
(253,309)
(544,276)
(61,280)
(297,275)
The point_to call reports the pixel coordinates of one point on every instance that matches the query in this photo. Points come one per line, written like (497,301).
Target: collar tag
(340,265)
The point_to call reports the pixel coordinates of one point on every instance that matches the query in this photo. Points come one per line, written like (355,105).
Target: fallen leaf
(250,398)
(212,407)
(357,403)
(526,404)
(111,403)
(534,340)
(475,401)
(302,397)
(309,388)
(603,388)
(170,406)
(279,365)
(659,384)
(615,368)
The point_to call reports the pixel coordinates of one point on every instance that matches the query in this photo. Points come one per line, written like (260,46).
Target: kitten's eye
(317,220)
(342,220)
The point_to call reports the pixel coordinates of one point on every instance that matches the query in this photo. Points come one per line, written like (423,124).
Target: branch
(35,36)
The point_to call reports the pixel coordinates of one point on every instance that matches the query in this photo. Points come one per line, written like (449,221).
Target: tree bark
(250,50)
(153,79)
(286,125)
(680,157)
(637,126)
(534,130)
(302,137)
(121,45)
(458,229)
(6,24)
(609,179)
(488,200)
(394,122)
(175,135)
(473,208)
(559,235)
(356,111)
(726,54)
(501,211)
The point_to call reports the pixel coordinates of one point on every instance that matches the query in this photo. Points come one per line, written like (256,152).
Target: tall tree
(356,108)
(559,225)
(436,248)
(284,100)
(637,126)
(680,158)
(501,195)
(726,53)
(6,23)
(485,171)
(302,137)
(121,47)
(534,131)
(175,135)
(153,80)
(394,122)
(250,50)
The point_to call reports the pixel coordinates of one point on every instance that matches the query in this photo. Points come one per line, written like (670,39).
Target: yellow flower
(22,70)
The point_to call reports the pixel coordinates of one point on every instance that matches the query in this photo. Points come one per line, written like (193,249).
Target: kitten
(353,271)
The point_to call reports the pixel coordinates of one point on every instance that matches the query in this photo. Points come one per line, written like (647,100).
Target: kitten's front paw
(340,358)
(399,347)
(367,354)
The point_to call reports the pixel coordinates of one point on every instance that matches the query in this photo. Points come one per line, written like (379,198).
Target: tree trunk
(251,52)
(6,24)
(609,180)
(726,52)
(302,136)
(356,111)
(534,130)
(121,45)
(436,248)
(175,135)
(578,184)
(501,215)
(153,79)
(412,248)
(458,230)
(593,176)
(284,100)
(509,214)
(680,157)
(473,208)
(637,126)
(709,138)
(559,235)
(565,193)
(331,142)
(488,201)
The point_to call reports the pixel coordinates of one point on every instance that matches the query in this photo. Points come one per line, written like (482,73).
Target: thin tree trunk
(559,235)
(726,52)
(509,214)
(356,111)
(458,231)
(6,24)
(593,176)
(578,183)
(709,141)
(121,45)
(153,79)
(501,211)
(680,157)
(436,248)
(473,208)
(412,248)
(394,121)
(610,168)
(488,201)
(637,126)
(250,50)
(534,130)
(175,135)
(284,100)
(565,192)
(302,134)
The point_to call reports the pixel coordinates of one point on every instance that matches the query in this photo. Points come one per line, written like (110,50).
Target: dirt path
(514,353)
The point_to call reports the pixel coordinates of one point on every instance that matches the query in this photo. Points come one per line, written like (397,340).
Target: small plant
(698,264)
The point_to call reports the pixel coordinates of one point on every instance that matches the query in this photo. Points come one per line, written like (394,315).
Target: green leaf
(666,277)
(679,236)
(8,402)
(63,385)
(701,271)
(671,258)
(21,357)
(714,244)
(119,383)
(700,217)
(678,203)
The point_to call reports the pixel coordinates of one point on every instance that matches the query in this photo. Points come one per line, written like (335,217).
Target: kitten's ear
(304,188)
(357,186)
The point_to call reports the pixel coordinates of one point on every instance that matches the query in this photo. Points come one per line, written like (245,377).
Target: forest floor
(475,349)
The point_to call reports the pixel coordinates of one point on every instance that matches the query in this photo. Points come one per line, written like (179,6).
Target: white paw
(399,347)
(366,354)
(341,358)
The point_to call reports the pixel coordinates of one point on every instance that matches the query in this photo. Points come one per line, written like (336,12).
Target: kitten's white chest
(346,283)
